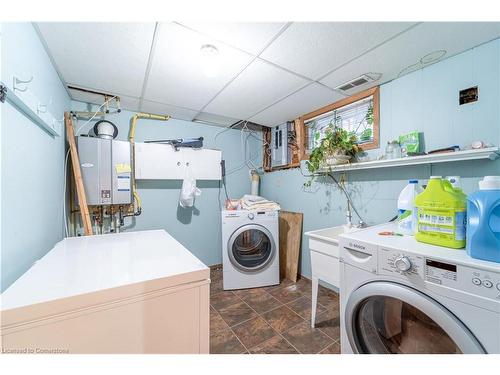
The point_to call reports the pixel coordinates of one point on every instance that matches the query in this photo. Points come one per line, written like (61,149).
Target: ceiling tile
(248,36)
(106,56)
(126,102)
(215,119)
(303,101)
(258,86)
(177,76)
(167,109)
(313,49)
(403,53)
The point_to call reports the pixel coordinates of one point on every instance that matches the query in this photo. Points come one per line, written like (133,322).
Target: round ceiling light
(210,57)
(209,50)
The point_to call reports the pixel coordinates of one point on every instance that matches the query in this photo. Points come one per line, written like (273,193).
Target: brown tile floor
(272,320)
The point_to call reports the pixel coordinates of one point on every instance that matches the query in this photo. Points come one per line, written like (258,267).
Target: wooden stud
(266,150)
(77,173)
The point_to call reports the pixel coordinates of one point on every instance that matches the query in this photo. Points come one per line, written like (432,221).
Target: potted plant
(337,147)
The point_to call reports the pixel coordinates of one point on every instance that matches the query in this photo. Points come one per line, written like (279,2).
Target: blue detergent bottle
(483,220)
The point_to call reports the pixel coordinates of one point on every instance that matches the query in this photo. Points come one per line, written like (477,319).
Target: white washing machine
(401,296)
(250,249)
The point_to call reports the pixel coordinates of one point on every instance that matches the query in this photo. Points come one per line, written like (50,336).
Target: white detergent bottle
(406,208)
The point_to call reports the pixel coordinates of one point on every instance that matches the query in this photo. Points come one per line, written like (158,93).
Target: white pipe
(255,184)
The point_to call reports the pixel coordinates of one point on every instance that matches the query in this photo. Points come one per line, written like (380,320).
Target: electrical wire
(65,217)
(248,158)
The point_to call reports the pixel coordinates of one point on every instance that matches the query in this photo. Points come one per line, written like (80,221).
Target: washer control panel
(478,282)
(394,263)
(420,269)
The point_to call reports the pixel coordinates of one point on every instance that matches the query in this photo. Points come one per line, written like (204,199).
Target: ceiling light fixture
(210,59)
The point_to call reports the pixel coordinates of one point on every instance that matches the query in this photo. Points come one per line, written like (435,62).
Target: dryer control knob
(251,216)
(402,263)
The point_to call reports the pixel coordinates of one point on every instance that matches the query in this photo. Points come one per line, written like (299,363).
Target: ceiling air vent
(361,80)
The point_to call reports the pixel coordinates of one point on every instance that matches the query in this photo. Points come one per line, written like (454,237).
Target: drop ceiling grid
(408,48)
(370,60)
(259,84)
(154,45)
(282,30)
(98,55)
(150,62)
(302,101)
(309,79)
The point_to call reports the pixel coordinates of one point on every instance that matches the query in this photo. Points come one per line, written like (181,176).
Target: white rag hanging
(189,190)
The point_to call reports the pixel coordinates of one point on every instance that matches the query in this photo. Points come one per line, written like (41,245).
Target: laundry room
(286,184)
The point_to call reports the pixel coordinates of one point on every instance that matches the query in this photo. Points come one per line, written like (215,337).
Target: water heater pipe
(131,138)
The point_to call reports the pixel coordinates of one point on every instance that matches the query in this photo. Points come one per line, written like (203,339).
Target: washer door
(385,317)
(251,248)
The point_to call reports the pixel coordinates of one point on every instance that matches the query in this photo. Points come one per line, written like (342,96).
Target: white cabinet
(324,250)
(162,162)
(136,292)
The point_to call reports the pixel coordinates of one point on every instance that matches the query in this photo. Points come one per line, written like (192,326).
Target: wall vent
(361,80)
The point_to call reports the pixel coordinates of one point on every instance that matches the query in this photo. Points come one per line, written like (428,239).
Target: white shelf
(490,153)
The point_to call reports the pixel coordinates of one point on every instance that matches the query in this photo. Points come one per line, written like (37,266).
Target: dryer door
(251,248)
(386,317)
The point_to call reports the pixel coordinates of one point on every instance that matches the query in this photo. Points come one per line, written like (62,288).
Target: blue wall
(198,229)
(31,159)
(425,100)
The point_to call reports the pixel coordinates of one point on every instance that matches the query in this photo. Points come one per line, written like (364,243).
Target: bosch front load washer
(401,296)
(250,249)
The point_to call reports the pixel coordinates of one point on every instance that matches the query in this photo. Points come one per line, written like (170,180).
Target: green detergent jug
(441,214)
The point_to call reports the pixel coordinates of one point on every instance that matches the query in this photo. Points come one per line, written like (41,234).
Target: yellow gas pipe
(131,138)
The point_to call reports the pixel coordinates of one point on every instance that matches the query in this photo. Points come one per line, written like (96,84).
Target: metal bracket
(3,93)
(41,108)
(18,82)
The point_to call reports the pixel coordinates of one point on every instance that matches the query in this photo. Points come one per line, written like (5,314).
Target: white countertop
(409,243)
(80,265)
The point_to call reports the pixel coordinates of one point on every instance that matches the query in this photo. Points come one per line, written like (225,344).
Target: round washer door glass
(251,247)
(392,318)
(389,325)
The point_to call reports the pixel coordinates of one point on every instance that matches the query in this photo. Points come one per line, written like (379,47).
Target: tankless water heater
(106,170)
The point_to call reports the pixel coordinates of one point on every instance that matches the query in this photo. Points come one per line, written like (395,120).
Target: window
(357,114)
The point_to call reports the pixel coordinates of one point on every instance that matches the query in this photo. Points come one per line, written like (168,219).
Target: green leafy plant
(337,141)
(369,114)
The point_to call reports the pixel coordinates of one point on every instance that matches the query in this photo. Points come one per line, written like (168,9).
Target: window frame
(374,92)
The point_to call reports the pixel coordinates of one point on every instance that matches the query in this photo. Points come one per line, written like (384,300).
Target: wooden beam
(77,173)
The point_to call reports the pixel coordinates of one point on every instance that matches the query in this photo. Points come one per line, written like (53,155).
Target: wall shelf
(491,153)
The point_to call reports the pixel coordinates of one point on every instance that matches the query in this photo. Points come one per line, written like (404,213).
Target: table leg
(314,300)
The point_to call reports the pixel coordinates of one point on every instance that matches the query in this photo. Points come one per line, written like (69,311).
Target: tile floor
(272,320)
